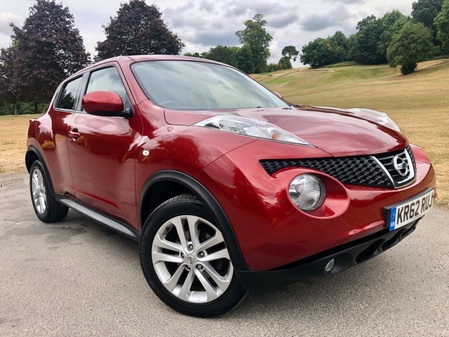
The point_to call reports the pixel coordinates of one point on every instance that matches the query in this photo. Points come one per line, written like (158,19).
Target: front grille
(373,171)
(388,161)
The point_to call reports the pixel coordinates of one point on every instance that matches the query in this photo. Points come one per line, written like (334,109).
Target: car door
(55,140)
(103,151)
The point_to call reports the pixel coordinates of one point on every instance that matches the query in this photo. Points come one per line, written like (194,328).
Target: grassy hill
(378,87)
(418,103)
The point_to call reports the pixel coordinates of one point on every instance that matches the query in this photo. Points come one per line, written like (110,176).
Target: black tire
(204,282)
(46,207)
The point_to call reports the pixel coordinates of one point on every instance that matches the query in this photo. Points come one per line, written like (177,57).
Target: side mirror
(104,103)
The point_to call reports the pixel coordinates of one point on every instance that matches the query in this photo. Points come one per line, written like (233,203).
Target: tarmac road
(76,278)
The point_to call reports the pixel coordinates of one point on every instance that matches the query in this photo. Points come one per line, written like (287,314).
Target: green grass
(279,80)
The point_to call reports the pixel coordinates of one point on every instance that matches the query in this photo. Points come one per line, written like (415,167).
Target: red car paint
(105,163)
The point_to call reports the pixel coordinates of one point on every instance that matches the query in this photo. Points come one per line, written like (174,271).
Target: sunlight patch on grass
(13,140)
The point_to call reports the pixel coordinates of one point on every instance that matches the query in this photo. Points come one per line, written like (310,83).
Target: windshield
(189,85)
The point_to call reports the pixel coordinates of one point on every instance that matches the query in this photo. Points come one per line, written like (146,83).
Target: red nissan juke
(226,186)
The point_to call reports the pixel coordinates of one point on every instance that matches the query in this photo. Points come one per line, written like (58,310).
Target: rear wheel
(186,261)
(45,206)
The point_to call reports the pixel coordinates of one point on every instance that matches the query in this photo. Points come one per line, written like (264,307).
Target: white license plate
(409,211)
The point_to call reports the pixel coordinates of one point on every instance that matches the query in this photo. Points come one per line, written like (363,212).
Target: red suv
(226,186)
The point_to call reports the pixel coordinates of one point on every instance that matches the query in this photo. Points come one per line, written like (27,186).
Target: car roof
(126,60)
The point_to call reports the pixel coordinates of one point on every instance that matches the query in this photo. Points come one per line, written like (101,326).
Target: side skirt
(103,220)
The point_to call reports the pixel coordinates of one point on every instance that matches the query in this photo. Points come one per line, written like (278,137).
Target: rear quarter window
(69,96)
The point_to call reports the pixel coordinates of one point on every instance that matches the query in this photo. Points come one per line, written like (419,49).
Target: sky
(203,24)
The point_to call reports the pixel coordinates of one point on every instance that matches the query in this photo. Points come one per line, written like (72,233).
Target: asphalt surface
(76,278)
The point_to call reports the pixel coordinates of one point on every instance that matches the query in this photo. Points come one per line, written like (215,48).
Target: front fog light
(307,192)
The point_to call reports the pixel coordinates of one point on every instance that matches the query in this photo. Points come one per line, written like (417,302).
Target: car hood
(337,131)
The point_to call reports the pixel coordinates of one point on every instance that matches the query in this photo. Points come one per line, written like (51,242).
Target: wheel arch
(167,184)
(31,156)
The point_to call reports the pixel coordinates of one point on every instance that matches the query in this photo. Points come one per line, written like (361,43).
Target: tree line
(394,38)
(48,47)
(253,55)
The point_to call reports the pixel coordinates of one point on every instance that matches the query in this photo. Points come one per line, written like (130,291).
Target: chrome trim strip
(411,167)
(410,178)
(107,222)
(384,169)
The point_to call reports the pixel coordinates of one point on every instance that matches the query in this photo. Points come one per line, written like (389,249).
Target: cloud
(214,23)
(203,24)
(338,17)
(316,23)
(206,29)
(207,6)
(215,38)
(282,21)
(273,12)
(5,19)
(346,2)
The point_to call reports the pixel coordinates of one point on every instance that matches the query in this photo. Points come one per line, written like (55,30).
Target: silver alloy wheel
(191,260)
(39,191)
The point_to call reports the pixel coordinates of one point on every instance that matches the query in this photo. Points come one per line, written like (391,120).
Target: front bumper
(271,232)
(345,256)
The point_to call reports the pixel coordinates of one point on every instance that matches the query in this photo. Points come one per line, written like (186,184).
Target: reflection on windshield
(189,85)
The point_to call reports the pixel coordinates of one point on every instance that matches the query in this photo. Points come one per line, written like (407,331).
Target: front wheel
(45,205)
(186,261)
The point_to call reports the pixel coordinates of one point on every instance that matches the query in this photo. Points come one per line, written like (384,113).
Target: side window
(69,96)
(108,79)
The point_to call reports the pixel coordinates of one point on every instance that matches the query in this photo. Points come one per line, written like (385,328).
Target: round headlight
(307,192)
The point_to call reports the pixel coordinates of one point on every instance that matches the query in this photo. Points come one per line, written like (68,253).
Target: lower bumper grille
(344,257)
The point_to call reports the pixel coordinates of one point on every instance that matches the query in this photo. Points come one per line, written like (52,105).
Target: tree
(48,49)
(239,57)
(224,54)
(392,24)
(411,45)
(442,26)
(425,11)
(367,40)
(340,47)
(271,67)
(245,60)
(284,63)
(290,52)
(7,74)
(318,53)
(323,52)
(138,29)
(195,54)
(258,41)
(352,47)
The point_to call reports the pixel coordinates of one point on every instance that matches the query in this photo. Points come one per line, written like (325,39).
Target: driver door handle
(74,134)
